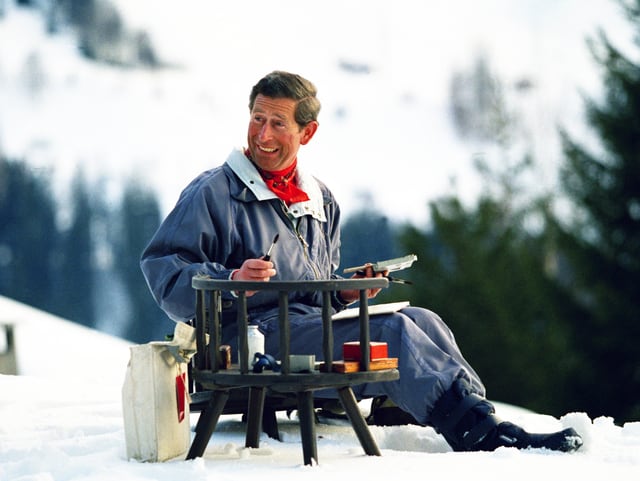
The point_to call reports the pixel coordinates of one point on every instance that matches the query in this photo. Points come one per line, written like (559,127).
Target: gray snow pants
(429,359)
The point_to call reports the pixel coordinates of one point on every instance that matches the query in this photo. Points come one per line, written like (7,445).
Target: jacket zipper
(305,245)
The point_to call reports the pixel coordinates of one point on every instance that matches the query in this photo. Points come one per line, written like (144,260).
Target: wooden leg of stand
(254,416)
(357,421)
(207,423)
(307,427)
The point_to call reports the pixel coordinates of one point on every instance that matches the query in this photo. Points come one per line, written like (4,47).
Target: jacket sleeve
(178,251)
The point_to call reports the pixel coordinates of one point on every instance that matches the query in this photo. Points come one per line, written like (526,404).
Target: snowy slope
(51,347)
(166,126)
(62,421)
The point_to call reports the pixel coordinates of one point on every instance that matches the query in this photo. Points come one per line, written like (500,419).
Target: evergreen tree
(369,236)
(27,234)
(602,239)
(484,273)
(484,268)
(139,219)
(74,286)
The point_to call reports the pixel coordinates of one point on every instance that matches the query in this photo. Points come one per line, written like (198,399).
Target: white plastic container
(256,342)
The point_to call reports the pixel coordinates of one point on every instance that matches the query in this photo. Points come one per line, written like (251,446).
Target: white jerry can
(155,401)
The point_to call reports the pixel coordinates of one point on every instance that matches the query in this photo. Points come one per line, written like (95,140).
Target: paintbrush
(267,256)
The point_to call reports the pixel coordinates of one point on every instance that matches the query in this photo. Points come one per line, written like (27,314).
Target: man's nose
(265,131)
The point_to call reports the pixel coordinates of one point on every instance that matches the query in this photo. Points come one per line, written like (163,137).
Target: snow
(61,112)
(61,419)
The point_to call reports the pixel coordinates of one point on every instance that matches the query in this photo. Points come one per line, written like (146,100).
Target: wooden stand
(207,373)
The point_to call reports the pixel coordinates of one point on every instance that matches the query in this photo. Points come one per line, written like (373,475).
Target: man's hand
(256,270)
(354,295)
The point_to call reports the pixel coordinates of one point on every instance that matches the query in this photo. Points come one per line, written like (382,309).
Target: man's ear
(308,131)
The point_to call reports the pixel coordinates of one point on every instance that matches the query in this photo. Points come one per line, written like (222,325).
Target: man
(226,219)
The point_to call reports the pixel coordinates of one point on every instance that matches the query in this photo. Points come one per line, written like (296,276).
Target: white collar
(250,176)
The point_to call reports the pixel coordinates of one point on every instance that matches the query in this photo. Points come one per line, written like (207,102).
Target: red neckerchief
(283,183)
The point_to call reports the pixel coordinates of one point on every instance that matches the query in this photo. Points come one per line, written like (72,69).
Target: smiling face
(273,136)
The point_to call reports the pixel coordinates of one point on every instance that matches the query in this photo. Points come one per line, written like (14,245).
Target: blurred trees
(74,268)
(367,236)
(601,240)
(478,105)
(74,264)
(544,299)
(483,268)
(138,218)
(101,31)
(484,272)
(27,249)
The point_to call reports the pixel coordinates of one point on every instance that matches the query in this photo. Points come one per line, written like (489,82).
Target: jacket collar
(250,177)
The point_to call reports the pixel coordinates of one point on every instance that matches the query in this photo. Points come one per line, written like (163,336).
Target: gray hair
(279,84)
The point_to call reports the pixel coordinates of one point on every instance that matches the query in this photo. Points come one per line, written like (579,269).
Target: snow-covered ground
(61,419)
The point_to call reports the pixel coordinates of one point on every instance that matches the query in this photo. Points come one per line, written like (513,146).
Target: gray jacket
(227,215)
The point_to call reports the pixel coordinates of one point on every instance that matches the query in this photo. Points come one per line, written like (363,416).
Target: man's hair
(279,84)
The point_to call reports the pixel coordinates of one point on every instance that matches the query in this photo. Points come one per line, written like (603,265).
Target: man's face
(274,137)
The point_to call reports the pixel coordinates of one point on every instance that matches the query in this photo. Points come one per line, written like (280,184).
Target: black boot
(468,423)
(510,435)
(384,412)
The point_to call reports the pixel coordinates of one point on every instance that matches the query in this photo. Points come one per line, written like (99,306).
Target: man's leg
(437,386)
(429,360)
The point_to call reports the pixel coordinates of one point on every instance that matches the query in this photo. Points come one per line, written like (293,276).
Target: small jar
(256,342)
